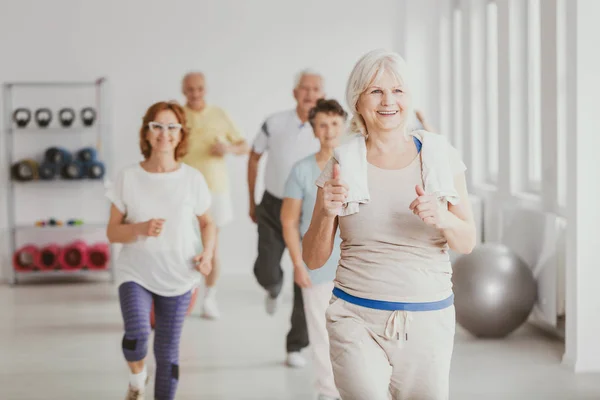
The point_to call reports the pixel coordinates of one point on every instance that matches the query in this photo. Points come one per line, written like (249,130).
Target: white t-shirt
(164,264)
(287,140)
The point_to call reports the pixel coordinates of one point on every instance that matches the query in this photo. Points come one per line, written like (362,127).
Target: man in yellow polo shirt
(212,136)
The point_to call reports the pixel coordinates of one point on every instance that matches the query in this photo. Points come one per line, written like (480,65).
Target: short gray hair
(306,72)
(189,74)
(368,68)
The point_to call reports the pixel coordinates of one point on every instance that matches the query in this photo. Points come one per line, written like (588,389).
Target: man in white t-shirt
(287,137)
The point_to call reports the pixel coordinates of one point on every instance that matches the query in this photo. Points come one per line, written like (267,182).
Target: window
(446,98)
(562,128)
(491,137)
(534,138)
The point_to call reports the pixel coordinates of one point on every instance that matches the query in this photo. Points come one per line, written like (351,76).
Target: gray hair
(306,72)
(370,67)
(190,74)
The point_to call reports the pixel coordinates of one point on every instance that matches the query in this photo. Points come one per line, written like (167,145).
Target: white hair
(306,72)
(370,67)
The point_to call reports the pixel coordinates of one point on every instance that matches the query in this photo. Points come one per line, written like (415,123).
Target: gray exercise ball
(494,291)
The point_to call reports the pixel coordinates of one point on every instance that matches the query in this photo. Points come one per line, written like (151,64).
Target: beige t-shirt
(206,128)
(387,252)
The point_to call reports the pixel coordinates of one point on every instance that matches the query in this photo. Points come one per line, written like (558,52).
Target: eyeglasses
(158,128)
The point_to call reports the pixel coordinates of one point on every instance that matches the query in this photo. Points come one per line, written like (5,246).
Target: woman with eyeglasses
(162,259)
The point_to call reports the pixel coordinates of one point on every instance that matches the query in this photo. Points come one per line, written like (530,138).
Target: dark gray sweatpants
(267,267)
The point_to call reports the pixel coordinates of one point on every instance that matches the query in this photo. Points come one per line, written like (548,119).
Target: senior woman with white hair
(400,200)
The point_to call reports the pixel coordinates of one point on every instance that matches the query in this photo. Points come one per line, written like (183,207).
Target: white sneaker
(210,310)
(295,360)
(134,394)
(325,397)
(271,304)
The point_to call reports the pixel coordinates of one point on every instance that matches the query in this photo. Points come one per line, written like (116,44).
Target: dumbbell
(88,116)
(50,222)
(66,116)
(25,170)
(21,117)
(43,117)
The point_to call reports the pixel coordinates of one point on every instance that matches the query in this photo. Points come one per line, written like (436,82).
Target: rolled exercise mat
(98,256)
(24,258)
(95,170)
(24,170)
(47,171)
(58,155)
(87,154)
(73,256)
(188,312)
(73,170)
(48,257)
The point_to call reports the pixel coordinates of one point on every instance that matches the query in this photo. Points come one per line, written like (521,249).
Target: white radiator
(539,239)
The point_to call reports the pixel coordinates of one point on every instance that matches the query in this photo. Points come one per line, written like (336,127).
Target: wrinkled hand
(335,192)
(301,276)
(203,262)
(219,149)
(152,227)
(428,209)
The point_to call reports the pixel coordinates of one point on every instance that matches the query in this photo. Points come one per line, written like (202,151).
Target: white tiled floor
(62,341)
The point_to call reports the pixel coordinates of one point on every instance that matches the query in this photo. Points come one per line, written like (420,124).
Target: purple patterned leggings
(136,304)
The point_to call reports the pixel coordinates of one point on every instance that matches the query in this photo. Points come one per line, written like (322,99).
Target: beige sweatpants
(316,300)
(378,355)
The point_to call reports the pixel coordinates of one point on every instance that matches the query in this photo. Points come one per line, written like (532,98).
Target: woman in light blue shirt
(328,120)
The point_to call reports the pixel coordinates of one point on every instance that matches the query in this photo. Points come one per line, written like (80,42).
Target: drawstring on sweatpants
(392,330)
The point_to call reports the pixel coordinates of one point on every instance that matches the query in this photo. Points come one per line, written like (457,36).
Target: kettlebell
(21,117)
(66,116)
(88,116)
(43,117)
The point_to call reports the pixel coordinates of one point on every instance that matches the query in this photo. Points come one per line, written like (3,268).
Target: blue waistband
(392,305)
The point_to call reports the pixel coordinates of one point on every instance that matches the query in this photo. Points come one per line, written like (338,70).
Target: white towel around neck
(435,166)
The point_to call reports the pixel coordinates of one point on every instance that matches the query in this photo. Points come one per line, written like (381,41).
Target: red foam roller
(48,257)
(98,256)
(189,310)
(73,256)
(24,258)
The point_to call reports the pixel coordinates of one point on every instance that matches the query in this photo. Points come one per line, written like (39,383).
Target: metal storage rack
(101,126)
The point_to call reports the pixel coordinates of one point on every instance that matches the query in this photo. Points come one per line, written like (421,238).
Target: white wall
(249,50)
